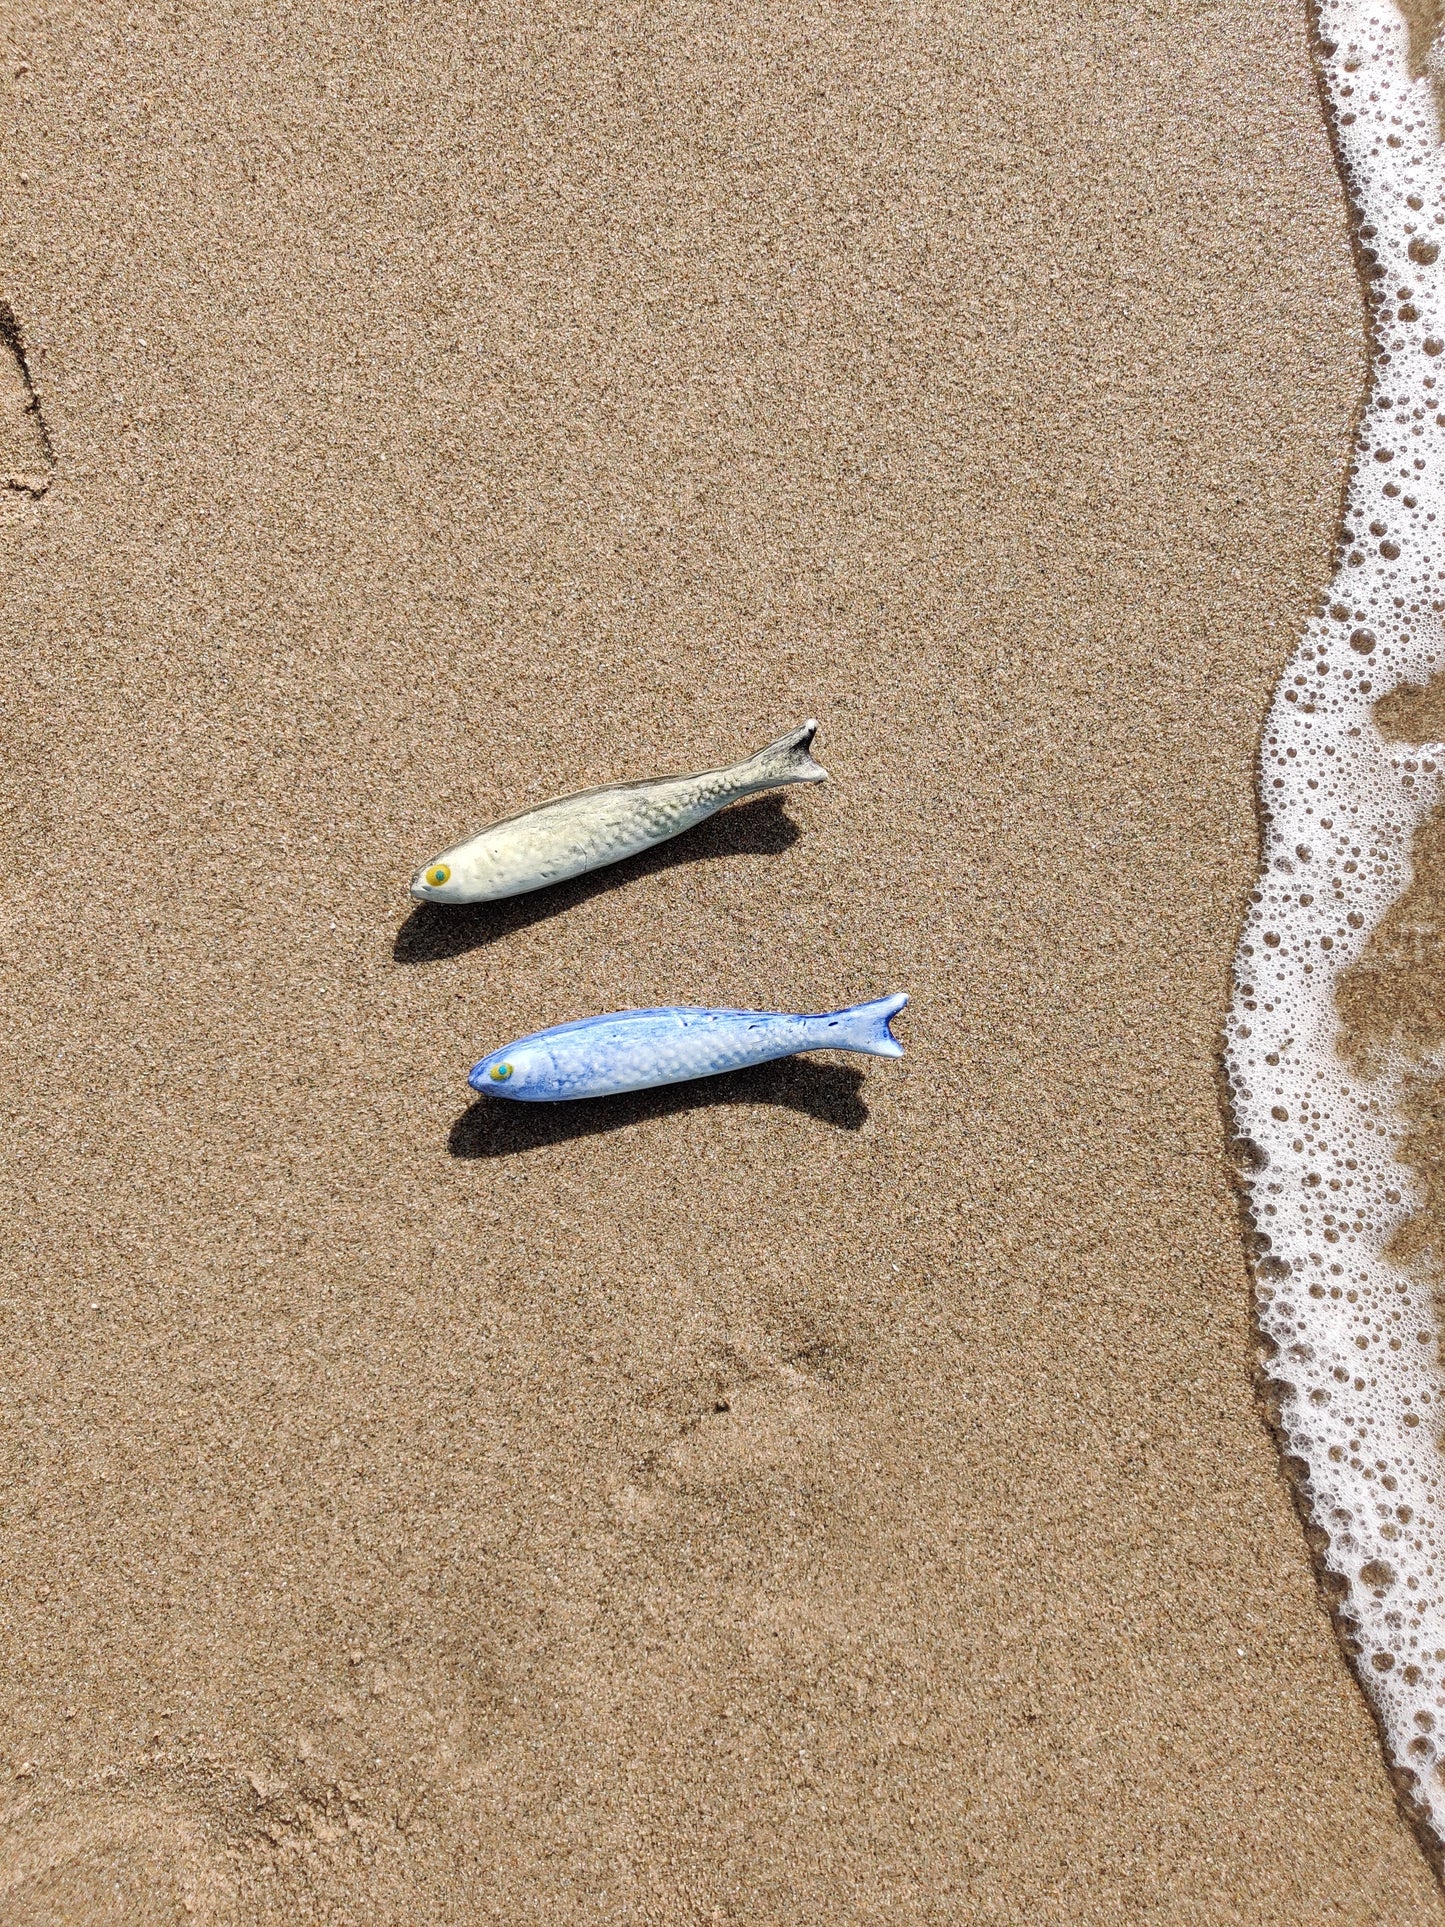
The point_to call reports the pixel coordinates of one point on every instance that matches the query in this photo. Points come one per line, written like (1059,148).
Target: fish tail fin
(787,760)
(863,1028)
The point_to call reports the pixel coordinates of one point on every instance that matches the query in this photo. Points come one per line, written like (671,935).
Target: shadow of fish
(638,1050)
(574,834)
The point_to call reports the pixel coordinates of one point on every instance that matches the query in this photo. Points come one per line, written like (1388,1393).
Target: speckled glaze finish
(587,831)
(636,1050)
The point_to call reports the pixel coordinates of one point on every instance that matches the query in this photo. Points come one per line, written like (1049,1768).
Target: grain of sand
(835,1494)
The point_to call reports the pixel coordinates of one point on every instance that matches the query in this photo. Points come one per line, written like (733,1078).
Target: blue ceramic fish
(636,1050)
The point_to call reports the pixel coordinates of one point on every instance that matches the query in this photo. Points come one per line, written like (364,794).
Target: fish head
(441,881)
(518,1070)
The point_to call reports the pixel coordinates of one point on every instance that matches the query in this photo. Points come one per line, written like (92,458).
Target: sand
(835,1494)
(1392,1002)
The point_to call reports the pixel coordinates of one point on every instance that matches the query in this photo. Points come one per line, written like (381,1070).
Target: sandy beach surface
(835,1494)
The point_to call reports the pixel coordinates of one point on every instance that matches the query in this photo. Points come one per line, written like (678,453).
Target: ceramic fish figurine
(636,1050)
(584,832)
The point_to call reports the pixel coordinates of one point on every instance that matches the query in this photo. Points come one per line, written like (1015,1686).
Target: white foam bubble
(1355,1356)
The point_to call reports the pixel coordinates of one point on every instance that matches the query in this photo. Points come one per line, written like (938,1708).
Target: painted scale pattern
(638,1050)
(574,834)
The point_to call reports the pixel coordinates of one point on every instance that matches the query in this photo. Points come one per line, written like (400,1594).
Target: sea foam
(1351,1338)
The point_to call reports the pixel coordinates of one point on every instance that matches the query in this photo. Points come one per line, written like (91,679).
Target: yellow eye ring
(500,1073)
(437,875)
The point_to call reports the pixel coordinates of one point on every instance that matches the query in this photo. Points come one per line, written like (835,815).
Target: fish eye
(437,875)
(500,1073)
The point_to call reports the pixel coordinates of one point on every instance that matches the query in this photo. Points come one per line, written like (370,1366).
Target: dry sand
(832,1495)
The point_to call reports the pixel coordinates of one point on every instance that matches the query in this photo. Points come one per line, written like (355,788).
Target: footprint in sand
(767,1420)
(101,1861)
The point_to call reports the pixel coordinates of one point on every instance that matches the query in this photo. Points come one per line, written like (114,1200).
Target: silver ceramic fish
(573,834)
(636,1050)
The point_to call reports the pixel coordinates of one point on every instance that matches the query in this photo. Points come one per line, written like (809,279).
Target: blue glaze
(637,1050)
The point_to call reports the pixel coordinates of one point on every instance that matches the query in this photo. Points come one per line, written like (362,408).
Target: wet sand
(834,1494)
(1392,1004)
